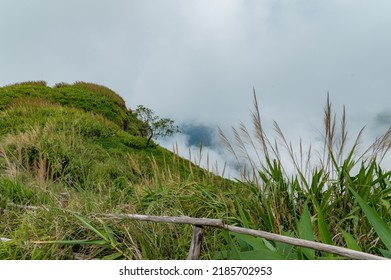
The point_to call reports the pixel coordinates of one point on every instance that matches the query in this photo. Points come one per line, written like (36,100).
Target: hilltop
(88,97)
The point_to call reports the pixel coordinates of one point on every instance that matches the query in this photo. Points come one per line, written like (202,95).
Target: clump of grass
(62,235)
(327,186)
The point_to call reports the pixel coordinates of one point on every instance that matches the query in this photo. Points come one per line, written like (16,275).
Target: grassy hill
(82,141)
(77,152)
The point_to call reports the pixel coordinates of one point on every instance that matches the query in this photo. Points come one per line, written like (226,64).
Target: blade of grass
(73,242)
(111,236)
(385,253)
(283,248)
(324,232)
(381,228)
(350,241)
(89,226)
(305,231)
(233,251)
(255,242)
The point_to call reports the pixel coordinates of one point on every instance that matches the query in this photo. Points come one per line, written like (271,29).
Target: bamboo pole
(169,219)
(352,254)
(217,223)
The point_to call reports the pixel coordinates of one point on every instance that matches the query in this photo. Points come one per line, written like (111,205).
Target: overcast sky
(198,61)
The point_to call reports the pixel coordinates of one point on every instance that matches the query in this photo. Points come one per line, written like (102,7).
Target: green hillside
(70,155)
(82,140)
(85,96)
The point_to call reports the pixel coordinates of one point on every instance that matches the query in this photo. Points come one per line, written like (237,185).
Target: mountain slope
(71,154)
(67,122)
(80,141)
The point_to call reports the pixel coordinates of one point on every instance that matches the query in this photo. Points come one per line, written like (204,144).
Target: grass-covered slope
(88,97)
(82,142)
(76,129)
(77,152)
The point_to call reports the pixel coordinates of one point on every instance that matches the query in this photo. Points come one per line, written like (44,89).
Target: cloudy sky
(197,61)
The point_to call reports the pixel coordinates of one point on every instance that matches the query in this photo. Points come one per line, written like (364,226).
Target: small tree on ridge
(154,126)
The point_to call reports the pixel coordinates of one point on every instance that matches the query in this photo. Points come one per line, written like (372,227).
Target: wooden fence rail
(199,223)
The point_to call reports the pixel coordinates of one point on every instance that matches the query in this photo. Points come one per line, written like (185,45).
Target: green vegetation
(85,96)
(79,152)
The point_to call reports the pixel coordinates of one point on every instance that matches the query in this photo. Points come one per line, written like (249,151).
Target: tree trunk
(148,141)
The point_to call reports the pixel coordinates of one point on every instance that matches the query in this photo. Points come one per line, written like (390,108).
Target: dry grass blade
(240,143)
(358,141)
(227,144)
(248,138)
(223,172)
(329,125)
(381,146)
(308,161)
(200,154)
(344,134)
(259,132)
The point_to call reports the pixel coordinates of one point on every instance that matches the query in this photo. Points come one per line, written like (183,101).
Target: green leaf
(386,203)
(285,249)
(233,252)
(74,242)
(113,256)
(386,253)
(255,242)
(326,198)
(304,227)
(381,228)
(110,235)
(261,255)
(324,233)
(89,226)
(269,245)
(350,241)
(243,218)
(305,231)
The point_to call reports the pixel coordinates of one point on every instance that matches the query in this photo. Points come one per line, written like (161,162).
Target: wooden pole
(169,219)
(196,241)
(352,254)
(216,223)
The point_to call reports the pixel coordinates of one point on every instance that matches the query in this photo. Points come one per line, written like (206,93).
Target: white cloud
(197,61)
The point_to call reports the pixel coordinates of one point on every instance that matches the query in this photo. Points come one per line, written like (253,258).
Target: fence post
(196,241)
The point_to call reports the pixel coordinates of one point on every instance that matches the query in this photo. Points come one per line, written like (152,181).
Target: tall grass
(332,192)
(49,152)
(79,231)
